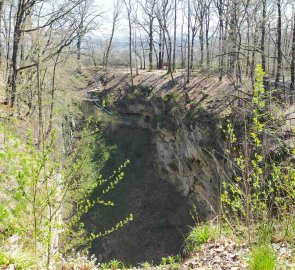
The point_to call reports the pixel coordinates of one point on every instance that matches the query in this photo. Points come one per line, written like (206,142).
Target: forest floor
(225,254)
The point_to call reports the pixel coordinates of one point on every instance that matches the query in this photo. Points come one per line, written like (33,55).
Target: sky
(106,6)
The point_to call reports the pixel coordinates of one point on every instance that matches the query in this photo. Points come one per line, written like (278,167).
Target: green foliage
(171,262)
(83,158)
(108,102)
(146,265)
(261,186)
(199,235)
(139,91)
(20,262)
(115,264)
(262,258)
(171,99)
(104,266)
(26,202)
(37,190)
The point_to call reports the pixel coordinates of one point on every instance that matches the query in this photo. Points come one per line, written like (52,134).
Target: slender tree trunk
(268,49)
(279,41)
(248,45)
(192,49)
(107,53)
(232,40)
(174,42)
(262,48)
(40,97)
(151,41)
(79,42)
(161,49)
(292,94)
(16,42)
(169,50)
(182,49)
(135,52)
(1,18)
(130,45)
(201,38)
(8,41)
(143,53)
(221,39)
(207,38)
(156,55)
(188,41)
(53,89)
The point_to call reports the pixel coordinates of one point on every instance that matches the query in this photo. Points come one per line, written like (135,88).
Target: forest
(147,134)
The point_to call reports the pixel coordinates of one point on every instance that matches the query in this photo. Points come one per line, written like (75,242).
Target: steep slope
(172,145)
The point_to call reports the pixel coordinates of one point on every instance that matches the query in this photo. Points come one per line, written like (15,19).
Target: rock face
(185,159)
(188,145)
(173,154)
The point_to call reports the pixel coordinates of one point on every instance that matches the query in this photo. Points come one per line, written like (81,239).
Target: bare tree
(116,17)
(148,7)
(279,41)
(128,5)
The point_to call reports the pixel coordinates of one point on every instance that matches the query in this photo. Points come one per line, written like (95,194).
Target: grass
(262,258)
(199,235)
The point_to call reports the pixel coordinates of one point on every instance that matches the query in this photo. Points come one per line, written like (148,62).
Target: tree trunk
(188,41)
(16,42)
(182,49)
(53,89)
(8,42)
(130,45)
(107,54)
(1,17)
(201,38)
(262,48)
(161,49)
(151,44)
(293,65)
(40,99)
(219,5)
(174,42)
(192,50)
(279,41)
(207,37)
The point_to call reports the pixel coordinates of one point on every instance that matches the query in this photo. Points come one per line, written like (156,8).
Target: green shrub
(262,258)
(260,188)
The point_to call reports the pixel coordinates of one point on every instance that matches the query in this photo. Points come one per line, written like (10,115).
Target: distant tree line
(227,36)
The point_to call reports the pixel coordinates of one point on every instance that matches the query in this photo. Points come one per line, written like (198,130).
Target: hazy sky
(106,6)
